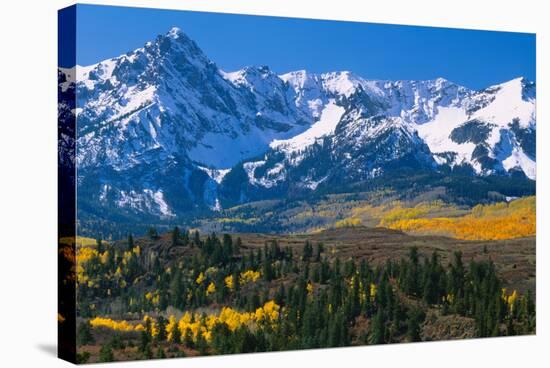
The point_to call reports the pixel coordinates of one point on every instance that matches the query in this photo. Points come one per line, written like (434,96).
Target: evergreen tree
(432,280)
(161,322)
(84,334)
(378,331)
(106,354)
(412,275)
(82,358)
(222,339)
(99,246)
(267,270)
(188,339)
(176,236)
(456,278)
(413,325)
(116,342)
(238,246)
(227,246)
(175,334)
(153,233)
(197,238)
(337,331)
(320,249)
(160,353)
(307,251)
(144,341)
(280,295)
(148,352)
(201,344)
(130,242)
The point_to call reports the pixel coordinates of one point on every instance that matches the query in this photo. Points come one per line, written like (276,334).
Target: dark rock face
(474,131)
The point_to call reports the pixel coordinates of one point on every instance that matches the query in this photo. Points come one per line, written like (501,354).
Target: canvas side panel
(66,184)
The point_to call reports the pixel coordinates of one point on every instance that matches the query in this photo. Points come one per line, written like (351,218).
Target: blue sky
(475,59)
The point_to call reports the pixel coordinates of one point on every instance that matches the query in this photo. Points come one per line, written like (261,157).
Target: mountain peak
(518,81)
(341,82)
(175,33)
(519,86)
(298,78)
(257,69)
(440,81)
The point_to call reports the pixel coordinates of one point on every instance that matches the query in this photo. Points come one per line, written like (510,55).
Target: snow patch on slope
(213,150)
(330,117)
(215,174)
(436,133)
(508,103)
(273,176)
(519,160)
(147,201)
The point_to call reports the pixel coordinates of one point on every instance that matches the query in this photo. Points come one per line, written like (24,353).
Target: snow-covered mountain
(367,127)
(162,130)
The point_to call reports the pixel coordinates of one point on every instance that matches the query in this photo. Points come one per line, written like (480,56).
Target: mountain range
(162,132)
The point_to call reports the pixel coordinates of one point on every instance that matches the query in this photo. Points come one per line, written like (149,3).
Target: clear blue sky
(475,59)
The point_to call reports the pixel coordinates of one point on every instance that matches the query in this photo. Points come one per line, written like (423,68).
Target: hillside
(189,294)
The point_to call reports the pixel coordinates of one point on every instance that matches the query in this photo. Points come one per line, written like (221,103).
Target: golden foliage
(84,255)
(510,300)
(200,279)
(248,221)
(211,289)
(268,313)
(154,298)
(484,222)
(82,241)
(195,324)
(112,324)
(348,222)
(229,282)
(151,322)
(309,288)
(170,329)
(372,291)
(249,276)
